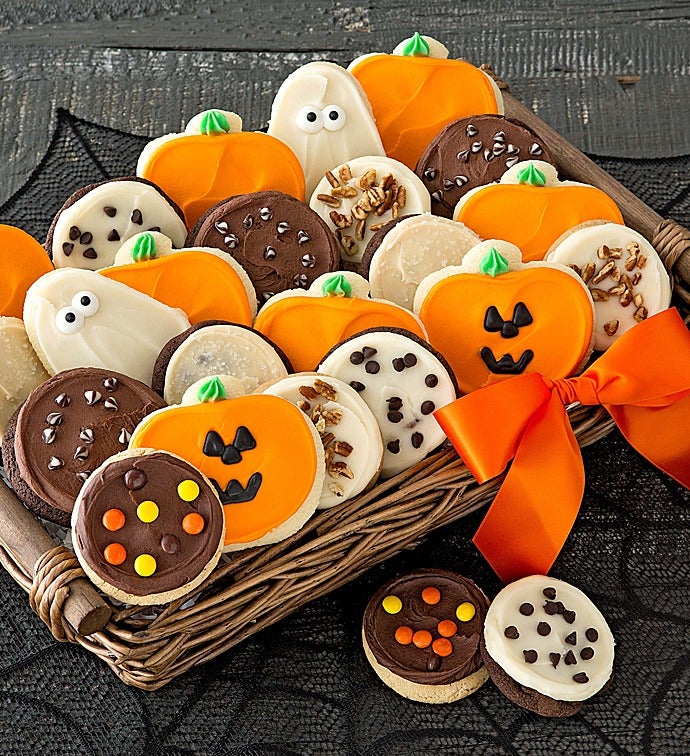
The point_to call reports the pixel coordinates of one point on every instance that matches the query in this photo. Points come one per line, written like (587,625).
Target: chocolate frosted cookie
(281,242)
(421,634)
(66,428)
(546,646)
(474,151)
(148,527)
(92,224)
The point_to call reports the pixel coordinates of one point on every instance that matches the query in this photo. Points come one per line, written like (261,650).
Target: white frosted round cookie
(411,250)
(96,220)
(623,272)
(348,429)
(358,197)
(78,318)
(323,115)
(403,380)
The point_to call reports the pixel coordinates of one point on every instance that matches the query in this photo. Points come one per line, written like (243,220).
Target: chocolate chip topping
(543,628)
(592,635)
(357,386)
(90,253)
(137,217)
(395,403)
(369,352)
(571,639)
(110,211)
(555,659)
(550,593)
(511,632)
(398,364)
(372,367)
(410,360)
(135,479)
(67,248)
(570,658)
(393,446)
(587,653)
(431,380)
(427,407)
(74,233)
(569,616)
(114,235)
(526,609)
(530,656)
(550,607)
(581,677)
(417,440)
(357,358)
(395,417)
(170,544)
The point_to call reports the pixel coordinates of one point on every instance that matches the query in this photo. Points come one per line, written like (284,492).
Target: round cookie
(261,453)
(22,261)
(77,318)
(546,646)
(421,633)
(623,272)
(65,429)
(403,380)
(147,527)
(92,224)
(353,446)
(215,347)
(474,151)
(279,241)
(399,256)
(323,115)
(358,197)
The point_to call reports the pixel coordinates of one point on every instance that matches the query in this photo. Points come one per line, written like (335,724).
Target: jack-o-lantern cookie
(213,159)
(323,115)
(260,452)
(418,90)
(147,527)
(531,208)
(92,224)
(22,261)
(353,447)
(495,316)
(306,324)
(77,318)
(361,196)
(65,429)
(421,633)
(546,646)
(20,369)
(403,381)
(472,152)
(279,241)
(623,272)
(402,253)
(204,283)
(215,347)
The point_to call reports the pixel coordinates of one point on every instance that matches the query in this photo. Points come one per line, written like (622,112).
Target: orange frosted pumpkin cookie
(531,208)
(495,316)
(22,261)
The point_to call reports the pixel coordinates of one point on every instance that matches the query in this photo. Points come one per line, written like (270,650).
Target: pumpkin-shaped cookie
(22,261)
(213,159)
(494,316)
(202,282)
(417,91)
(261,453)
(306,324)
(531,208)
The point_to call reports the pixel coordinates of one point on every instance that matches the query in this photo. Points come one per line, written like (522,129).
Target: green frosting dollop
(336,286)
(214,122)
(211,390)
(144,248)
(416,46)
(493,263)
(531,175)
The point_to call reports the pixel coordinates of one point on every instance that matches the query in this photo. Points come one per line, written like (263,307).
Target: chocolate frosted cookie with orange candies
(421,634)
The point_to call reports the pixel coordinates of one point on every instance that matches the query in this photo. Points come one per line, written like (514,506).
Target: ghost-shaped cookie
(77,318)
(323,115)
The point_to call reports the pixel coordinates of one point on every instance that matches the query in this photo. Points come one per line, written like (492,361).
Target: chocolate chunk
(357,386)
(394,417)
(410,360)
(526,609)
(135,479)
(431,380)
(555,659)
(560,607)
(434,663)
(368,352)
(511,632)
(417,440)
(86,238)
(137,217)
(592,635)
(550,607)
(170,544)
(570,658)
(114,235)
(550,593)
(581,677)
(571,639)
(110,211)
(427,407)
(543,628)
(90,253)
(74,233)
(530,656)
(393,446)
(569,616)
(394,403)
(372,367)
(398,365)
(67,248)
(587,653)
(357,358)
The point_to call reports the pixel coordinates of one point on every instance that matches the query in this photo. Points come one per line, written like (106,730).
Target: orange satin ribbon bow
(643,381)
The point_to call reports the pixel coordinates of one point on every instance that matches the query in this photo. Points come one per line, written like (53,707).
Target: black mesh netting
(304,686)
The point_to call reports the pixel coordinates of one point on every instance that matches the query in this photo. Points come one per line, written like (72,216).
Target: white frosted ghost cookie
(546,646)
(623,272)
(20,369)
(215,347)
(402,253)
(323,115)
(403,380)
(92,224)
(349,432)
(358,197)
(78,318)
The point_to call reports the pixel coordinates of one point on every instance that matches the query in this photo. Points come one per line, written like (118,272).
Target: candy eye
(86,303)
(309,119)
(69,320)
(334,117)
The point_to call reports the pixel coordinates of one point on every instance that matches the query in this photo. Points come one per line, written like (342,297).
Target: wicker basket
(261,586)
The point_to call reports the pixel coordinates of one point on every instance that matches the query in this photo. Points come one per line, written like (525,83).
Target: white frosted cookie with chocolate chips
(623,272)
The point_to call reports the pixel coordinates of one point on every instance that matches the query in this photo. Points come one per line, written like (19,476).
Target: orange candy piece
(115,553)
(442,647)
(113,519)
(422,639)
(447,628)
(431,595)
(193,523)
(404,635)
(22,261)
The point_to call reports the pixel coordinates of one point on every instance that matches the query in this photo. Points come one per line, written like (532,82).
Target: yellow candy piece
(147,511)
(391,604)
(145,565)
(188,490)
(465,611)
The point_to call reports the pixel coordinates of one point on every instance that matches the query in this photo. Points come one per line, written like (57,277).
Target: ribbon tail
(535,508)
